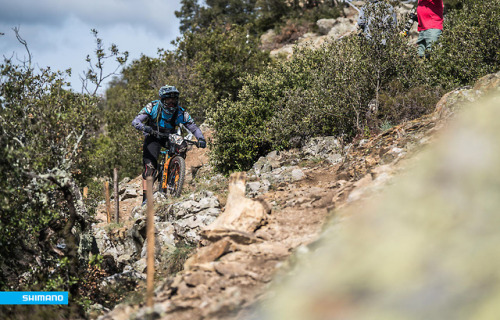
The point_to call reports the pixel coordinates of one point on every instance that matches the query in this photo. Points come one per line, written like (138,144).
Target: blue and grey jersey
(158,118)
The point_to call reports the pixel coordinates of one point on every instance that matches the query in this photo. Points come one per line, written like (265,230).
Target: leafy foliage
(195,17)
(351,85)
(317,92)
(45,131)
(202,76)
(260,14)
(46,136)
(468,48)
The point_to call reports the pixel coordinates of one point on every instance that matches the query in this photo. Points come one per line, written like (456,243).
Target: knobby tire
(175,177)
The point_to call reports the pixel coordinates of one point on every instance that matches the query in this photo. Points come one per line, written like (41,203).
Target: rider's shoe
(145,202)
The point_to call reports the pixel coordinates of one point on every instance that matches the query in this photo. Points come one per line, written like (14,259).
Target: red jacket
(430,14)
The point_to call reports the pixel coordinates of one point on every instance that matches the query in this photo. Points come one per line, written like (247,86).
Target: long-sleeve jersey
(156,117)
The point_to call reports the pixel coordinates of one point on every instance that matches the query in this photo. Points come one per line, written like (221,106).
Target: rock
(325,25)
(124,279)
(452,102)
(213,212)
(253,187)
(194,279)
(165,233)
(150,313)
(123,260)
(123,185)
(141,265)
(234,269)
(342,27)
(298,174)
(96,310)
(273,155)
(267,38)
(240,213)
(207,203)
(285,51)
(208,254)
(129,193)
(488,83)
(189,216)
(321,147)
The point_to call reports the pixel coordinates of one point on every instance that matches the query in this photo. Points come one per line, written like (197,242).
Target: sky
(58,32)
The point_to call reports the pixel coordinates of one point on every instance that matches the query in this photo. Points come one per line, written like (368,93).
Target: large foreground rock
(426,249)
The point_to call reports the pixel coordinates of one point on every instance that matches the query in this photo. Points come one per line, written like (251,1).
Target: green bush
(398,104)
(353,84)
(316,93)
(202,76)
(468,48)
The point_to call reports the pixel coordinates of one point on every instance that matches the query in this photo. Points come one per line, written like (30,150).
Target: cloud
(58,32)
(157,15)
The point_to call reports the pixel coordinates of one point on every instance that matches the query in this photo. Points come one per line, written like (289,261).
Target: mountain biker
(375,15)
(162,116)
(430,24)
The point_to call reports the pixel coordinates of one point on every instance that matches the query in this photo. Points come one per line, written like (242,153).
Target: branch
(24,43)
(95,73)
(77,143)
(18,141)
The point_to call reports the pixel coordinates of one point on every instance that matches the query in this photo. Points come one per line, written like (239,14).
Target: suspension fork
(165,171)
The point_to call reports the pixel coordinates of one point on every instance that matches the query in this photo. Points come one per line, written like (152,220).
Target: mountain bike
(171,171)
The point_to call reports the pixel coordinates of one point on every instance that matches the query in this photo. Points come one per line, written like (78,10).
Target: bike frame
(165,161)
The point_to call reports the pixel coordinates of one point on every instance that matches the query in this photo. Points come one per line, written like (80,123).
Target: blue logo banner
(33,297)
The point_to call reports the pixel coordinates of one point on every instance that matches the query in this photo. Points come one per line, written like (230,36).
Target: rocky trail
(272,213)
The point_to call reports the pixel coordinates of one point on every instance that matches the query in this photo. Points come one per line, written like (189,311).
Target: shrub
(398,105)
(317,92)
(468,48)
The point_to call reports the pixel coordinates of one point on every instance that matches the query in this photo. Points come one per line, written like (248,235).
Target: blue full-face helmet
(166,93)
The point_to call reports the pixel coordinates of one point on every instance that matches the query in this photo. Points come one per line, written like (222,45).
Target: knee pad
(149,171)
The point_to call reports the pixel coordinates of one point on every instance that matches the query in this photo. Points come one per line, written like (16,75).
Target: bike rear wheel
(175,177)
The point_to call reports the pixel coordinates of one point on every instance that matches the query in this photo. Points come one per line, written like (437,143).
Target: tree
(46,136)
(95,73)
(188,15)
(45,130)
(195,18)
(270,12)
(215,73)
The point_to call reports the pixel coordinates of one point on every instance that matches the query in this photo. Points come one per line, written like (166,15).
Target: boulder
(342,27)
(325,25)
(240,214)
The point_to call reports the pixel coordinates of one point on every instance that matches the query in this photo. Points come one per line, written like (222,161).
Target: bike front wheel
(175,176)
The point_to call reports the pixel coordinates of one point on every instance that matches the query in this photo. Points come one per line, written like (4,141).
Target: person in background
(430,24)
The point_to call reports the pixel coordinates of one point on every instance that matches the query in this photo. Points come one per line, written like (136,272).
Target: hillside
(344,170)
(299,192)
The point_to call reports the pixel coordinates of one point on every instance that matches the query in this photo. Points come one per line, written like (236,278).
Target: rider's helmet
(167,92)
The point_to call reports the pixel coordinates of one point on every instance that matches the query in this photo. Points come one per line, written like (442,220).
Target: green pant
(425,40)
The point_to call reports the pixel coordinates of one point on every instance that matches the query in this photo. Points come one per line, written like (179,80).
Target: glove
(413,16)
(202,143)
(148,129)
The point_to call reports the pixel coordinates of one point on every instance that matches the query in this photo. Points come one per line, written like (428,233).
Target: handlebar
(160,135)
(196,143)
(166,135)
